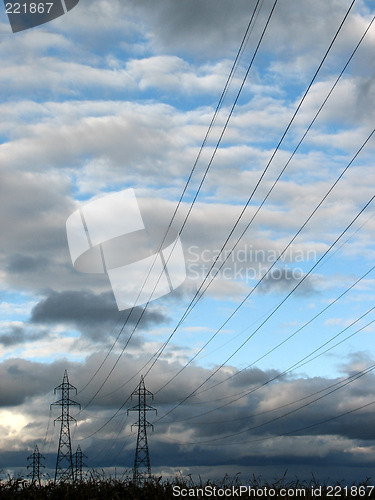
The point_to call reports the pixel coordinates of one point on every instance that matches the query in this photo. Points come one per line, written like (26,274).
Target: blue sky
(120,94)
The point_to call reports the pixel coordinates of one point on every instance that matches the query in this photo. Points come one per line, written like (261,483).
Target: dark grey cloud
(18,335)
(84,307)
(21,263)
(282,407)
(23,380)
(252,376)
(75,307)
(96,316)
(211,28)
(191,26)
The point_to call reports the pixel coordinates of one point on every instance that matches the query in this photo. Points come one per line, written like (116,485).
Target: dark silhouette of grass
(100,487)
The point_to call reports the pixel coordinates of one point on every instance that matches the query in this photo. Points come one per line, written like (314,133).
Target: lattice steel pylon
(64,463)
(78,459)
(36,465)
(142,467)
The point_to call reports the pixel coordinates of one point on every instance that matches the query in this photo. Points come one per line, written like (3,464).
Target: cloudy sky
(271,370)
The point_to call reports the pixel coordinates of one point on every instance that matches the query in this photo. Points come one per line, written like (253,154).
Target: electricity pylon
(78,456)
(36,465)
(142,467)
(64,463)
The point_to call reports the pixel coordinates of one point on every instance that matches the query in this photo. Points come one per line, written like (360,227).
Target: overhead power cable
(347,13)
(229,79)
(315,424)
(339,384)
(238,372)
(178,371)
(290,336)
(42,449)
(331,255)
(198,295)
(298,364)
(300,429)
(275,262)
(291,412)
(181,402)
(190,208)
(353,2)
(305,360)
(205,174)
(108,420)
(279,407)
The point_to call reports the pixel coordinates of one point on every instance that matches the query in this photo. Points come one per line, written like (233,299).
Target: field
(156,488)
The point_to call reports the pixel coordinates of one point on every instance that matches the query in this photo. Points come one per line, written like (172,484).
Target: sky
(272,369)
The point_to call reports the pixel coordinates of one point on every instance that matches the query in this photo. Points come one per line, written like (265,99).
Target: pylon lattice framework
(79,455)
(64,463)
(142,467)
(36,465)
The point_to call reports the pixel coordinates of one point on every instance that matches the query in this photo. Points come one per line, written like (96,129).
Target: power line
(47,430)
(188,311)
(213,119)
(280,407)
(264,315)
(347,382)
(300,429)
(286,340)
(334,388)
(195,196)
(212,157)
(301,362)
(270,268)
(291,368)
(197,296)
(293,334)
(298,284)
(158,355)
